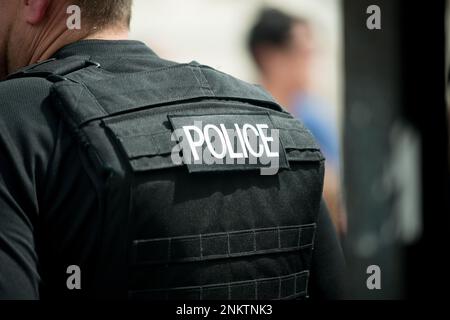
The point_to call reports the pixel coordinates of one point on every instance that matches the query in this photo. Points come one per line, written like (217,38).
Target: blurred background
(375,99)
(215,32)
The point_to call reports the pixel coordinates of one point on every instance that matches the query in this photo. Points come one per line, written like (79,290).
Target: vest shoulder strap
(54,70)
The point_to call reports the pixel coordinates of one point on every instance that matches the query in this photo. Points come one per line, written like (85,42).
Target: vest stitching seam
(294,277)
(279,288)
(206,82)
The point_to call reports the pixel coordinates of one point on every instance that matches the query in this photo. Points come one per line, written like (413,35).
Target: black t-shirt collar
(104,48)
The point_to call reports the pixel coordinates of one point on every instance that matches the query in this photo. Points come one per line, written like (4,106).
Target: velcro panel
(223,245)
(157,140)
(277,288)
(155,87)
(165,86)
(149,141)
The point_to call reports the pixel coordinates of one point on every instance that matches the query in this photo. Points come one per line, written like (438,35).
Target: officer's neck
(51,49)
(46,45)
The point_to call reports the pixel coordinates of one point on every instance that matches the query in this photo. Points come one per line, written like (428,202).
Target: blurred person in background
(282,47)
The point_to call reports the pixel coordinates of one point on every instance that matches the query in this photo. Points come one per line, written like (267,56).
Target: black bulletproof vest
(176,230)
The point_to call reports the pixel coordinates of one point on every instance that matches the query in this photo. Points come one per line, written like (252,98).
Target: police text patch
(228,142)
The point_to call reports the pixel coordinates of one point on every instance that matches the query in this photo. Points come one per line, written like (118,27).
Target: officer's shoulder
(24,90)
(24,100)
(214,73)
(220,75)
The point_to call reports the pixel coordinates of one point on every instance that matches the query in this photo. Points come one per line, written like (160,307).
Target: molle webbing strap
(277,288)
(224,245)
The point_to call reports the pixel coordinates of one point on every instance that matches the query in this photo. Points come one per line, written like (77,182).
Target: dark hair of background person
(102,13)
(273,29)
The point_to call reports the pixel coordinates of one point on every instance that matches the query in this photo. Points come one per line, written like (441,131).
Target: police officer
(123,175)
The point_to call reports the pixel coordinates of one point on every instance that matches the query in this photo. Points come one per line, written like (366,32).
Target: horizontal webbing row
(223,245)
(277,288)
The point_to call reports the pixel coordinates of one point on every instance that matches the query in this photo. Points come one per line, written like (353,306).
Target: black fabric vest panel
(170,232)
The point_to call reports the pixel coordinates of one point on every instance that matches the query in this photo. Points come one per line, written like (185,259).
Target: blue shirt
(318,118)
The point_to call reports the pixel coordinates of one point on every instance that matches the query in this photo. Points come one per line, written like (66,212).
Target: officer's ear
(35,10)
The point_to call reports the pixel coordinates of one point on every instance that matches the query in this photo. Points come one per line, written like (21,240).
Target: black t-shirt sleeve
(328,265)
(26,142)
(19,277)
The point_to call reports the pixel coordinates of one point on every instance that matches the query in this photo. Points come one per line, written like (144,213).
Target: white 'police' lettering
(244,145)
(198,138)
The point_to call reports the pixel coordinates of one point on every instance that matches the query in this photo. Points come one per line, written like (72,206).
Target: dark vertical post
(395,145)
(424,30)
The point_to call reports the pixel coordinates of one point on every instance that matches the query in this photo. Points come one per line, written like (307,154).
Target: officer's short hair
(272,28)
(102,13)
